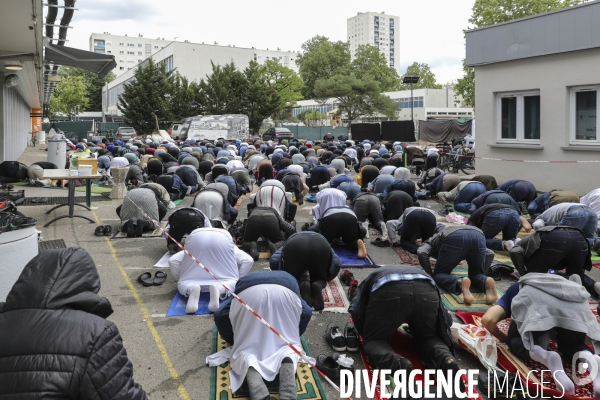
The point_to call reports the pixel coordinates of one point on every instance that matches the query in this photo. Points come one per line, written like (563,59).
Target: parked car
(125,133)
(328,137)
(279,133)
(175,129)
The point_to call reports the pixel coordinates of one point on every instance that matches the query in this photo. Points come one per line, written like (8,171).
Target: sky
(431,31)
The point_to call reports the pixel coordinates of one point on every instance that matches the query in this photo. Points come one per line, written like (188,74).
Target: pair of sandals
(105,230)
(146,278)
(307,225)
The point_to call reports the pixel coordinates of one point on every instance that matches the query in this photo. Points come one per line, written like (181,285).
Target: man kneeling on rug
(545,306)
(397,294)
(255,354)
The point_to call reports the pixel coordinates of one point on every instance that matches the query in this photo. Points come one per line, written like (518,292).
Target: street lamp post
(412,80)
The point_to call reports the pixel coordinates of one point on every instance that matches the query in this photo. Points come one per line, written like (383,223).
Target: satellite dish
(11,81)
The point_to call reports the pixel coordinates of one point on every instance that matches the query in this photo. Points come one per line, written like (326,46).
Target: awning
(90,61)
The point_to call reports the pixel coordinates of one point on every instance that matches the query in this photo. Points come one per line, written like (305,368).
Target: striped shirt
(271,196)
(400,277)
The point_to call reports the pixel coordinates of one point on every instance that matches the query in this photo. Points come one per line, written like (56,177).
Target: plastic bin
(57,152)
(84,170)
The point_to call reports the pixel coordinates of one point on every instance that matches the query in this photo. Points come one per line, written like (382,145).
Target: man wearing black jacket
(55,338)
(397,294)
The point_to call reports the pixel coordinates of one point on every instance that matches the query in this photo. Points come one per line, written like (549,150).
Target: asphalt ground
(168,353)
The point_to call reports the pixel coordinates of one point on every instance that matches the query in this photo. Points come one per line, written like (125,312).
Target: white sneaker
(215,294)
(508,244)
(384,235)
(193,299)
(366,226)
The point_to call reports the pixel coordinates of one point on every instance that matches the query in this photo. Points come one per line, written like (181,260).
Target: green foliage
(260,101)
(370,63)
(186,99)
(427,78)
(284,81)
(356,97)
(311,115)
(490,12)
(150,93)
(321,59)
(465,86)
(222,91)
(93,84)
(69,93)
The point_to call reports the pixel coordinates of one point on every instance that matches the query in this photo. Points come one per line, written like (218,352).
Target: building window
(122,68)
(139,61)
(109,52)
(121,44)
(519,117)
(131,53)
(148,47)
(121,52)
(130,44)
(584,115)
(139,53)
(140,45)
(155,47)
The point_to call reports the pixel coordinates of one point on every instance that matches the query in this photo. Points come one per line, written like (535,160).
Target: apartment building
(377,29)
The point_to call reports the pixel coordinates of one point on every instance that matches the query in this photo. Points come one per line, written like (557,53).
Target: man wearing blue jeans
(449,247)
(495,218)
(462,195)
(575,215)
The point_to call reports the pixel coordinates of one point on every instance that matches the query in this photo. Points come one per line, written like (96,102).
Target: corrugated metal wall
(15,123)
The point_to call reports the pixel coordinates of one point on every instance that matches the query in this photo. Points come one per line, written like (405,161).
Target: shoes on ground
(352,338)
(252,249)
(346,277)
(329,367)
(379,242)
(335,337)
(272,247)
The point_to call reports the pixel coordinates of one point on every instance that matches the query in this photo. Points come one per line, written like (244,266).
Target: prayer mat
(335,297)
(349,258)
(595,259)
(157,232)
(405,346)
(511,363)
(51,245)
(177,306)
(176,202)
(308,382)
(454,302)
(95,189)
(411,259)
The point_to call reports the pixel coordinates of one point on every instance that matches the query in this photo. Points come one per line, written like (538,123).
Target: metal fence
(79,129)
(315,133)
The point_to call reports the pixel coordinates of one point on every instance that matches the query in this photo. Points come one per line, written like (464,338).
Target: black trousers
(414,302)
(417,225)
(264,223)
(569,342)
(307,252)
(183,223)
(562,249)
(341,225)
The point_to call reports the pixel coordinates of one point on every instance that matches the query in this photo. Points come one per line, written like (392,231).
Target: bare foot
(468,298)
(491,295)
(362,250)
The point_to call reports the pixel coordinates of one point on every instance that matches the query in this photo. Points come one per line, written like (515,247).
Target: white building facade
(428,104)
(538,98)
(377,29)
(128,50)
(193,61)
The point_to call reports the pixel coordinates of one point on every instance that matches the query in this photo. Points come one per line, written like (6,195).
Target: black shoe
(380,242)
(316,292)
(300,199)
(305,292)
(99,231)
(252,249)
(352,338)
(329,367)
(272,248)
(335,337)
(130,226)
(139,229)
(443,213)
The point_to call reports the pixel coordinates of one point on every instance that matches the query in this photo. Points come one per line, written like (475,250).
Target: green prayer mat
(307,381)
(95,189)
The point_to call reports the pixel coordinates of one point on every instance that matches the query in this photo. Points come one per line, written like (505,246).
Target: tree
(427,78)
(355,97)
(186,99)
(150,93)
(321,59)
(370,63)
(70,96)
(222,91)
(260,101)
(286,83)
(93,84)
(490,12)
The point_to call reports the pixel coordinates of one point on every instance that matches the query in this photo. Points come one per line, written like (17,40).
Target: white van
(175,129)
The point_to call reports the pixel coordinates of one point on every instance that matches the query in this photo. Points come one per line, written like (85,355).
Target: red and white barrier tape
(540,161)
(242,302)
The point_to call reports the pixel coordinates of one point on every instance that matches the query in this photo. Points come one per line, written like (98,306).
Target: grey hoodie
(547,301)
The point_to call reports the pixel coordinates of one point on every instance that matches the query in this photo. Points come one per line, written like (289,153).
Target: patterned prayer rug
(335,297)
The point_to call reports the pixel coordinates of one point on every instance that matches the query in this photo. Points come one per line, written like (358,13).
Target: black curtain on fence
(438,132)
(362,132)
(398,131)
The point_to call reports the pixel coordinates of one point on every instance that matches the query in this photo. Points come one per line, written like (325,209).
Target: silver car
(125,133)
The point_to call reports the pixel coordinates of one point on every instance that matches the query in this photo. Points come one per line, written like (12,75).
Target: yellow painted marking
(161,347)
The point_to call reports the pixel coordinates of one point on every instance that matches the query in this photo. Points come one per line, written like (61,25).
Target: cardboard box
(93,162)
